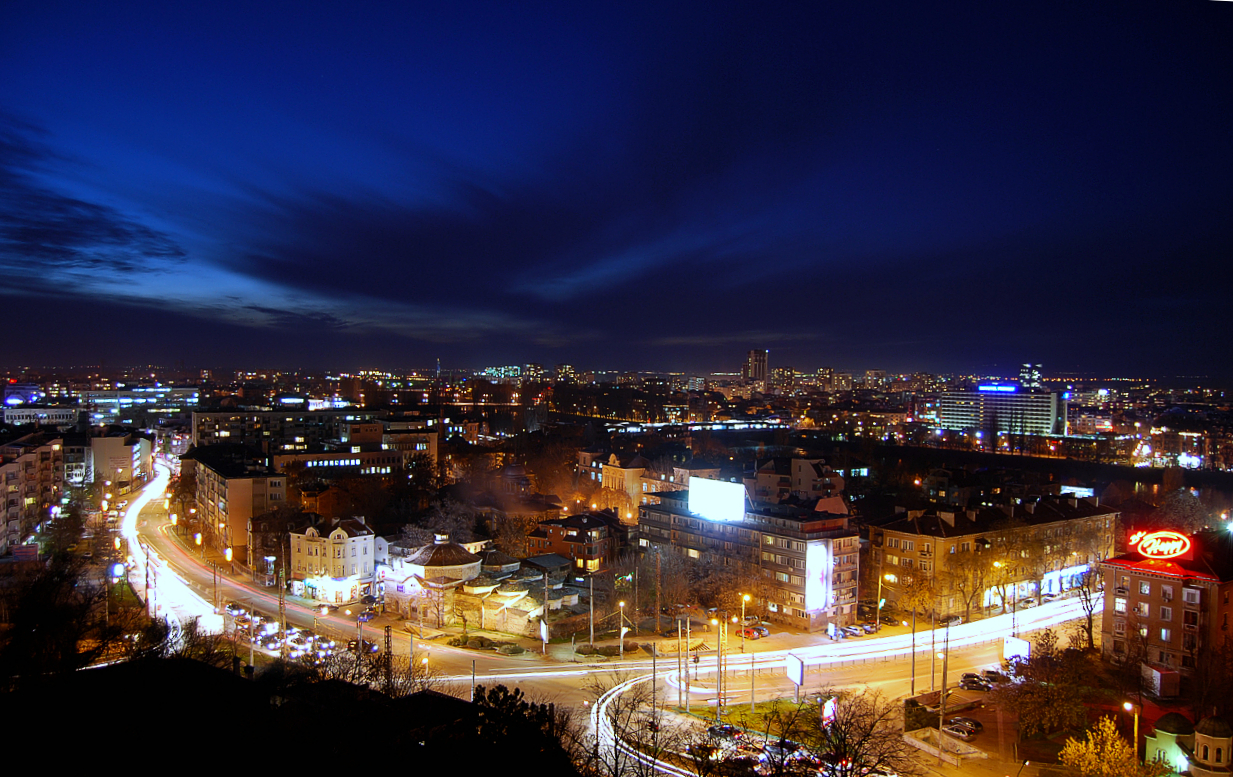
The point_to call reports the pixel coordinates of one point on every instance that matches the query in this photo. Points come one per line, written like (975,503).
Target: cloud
(43,231)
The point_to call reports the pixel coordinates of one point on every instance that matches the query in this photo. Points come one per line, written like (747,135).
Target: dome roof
(1215,726)
(441,553)
(1174,723)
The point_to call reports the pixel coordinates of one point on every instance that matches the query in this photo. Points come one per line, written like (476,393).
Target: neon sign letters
(1160,544)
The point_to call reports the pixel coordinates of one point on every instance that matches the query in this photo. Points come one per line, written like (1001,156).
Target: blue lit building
(1002,407)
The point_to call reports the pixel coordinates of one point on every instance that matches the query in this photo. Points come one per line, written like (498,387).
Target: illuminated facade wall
(1165,610)
(994,408)
(807,563)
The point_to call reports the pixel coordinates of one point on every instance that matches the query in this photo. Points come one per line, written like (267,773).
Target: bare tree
(863,736)
(965,576)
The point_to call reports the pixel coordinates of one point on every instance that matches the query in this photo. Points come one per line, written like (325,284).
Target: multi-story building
(32,479)
(755,367)
(779,478)
(587,539)
(335,559)
(274,431)
(124,459)
(1054,541)
(234,483)
(42,415)
(1167,598)
(1006,408)
(806,561)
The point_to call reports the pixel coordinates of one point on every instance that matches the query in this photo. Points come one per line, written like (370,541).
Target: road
(184,586)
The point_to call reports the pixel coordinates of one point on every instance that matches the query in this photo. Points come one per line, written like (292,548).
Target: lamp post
(744,601)
(1134,708)
(719,665)
(621,630)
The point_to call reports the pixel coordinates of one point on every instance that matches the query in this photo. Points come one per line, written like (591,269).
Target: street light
(744,601)
(1135,708)
(620,629)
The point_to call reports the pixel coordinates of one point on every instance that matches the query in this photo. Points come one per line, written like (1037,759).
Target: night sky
(931,186)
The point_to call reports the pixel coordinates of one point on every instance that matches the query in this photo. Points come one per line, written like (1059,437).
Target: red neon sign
(1161,544)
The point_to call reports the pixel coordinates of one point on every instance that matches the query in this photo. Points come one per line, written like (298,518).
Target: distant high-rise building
(1031,376)
(696,383)
(566,373)
(755,365)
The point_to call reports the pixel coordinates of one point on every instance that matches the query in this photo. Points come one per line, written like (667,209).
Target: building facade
(1002,408)
(993,555)
(807,561)
(32,479)
(233,484)
(1167,598)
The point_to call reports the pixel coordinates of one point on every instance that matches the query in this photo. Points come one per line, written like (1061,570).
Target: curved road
(184,586)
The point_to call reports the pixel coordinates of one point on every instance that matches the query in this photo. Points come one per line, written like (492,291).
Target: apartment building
(334,559)
(1055,540)
(1167,598)
(588,540)
(778,478)
(275,431)
(32,478)
(807,560)
(234,483)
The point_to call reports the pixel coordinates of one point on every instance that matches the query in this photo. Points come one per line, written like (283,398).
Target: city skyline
(647,189)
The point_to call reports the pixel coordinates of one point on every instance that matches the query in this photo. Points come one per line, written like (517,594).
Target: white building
(335,560)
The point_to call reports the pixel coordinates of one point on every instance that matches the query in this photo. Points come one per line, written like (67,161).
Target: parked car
(971,723)
(852,631)
(993,677)
(974,684)
(959,732)
(762,631)
(751,633)
(889,620)
(953,620)
(724,731)
(781,748)
(869,628)
(751,620)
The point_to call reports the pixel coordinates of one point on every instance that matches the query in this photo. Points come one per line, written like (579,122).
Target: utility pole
(678,665)
(942,714)
(591,578)
(387,661)
(282,609)
(913,649)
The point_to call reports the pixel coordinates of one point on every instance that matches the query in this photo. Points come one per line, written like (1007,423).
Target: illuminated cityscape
(595,390)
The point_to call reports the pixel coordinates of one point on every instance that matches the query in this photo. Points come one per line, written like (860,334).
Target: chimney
(948,518)
(1030,507)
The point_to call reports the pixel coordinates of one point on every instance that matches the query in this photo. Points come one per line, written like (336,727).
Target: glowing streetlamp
(1134,708)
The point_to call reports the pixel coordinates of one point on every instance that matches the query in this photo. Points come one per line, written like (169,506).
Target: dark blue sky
(895,186)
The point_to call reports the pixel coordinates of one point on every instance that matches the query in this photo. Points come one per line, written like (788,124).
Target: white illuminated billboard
(716,500)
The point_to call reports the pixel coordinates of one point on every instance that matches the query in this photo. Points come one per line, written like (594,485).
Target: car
(235,608)
(724,731)
(365,616)
(992,676)
(326,609)
(368,599)
(1049,597)
(971,723)
(751,634)
(869,628)
(852,631)
(959,732)
(974,684)
(782,748)
(1026,603)
(953,620)
(369,647)
(889,620)
(762,631)
(703,751)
